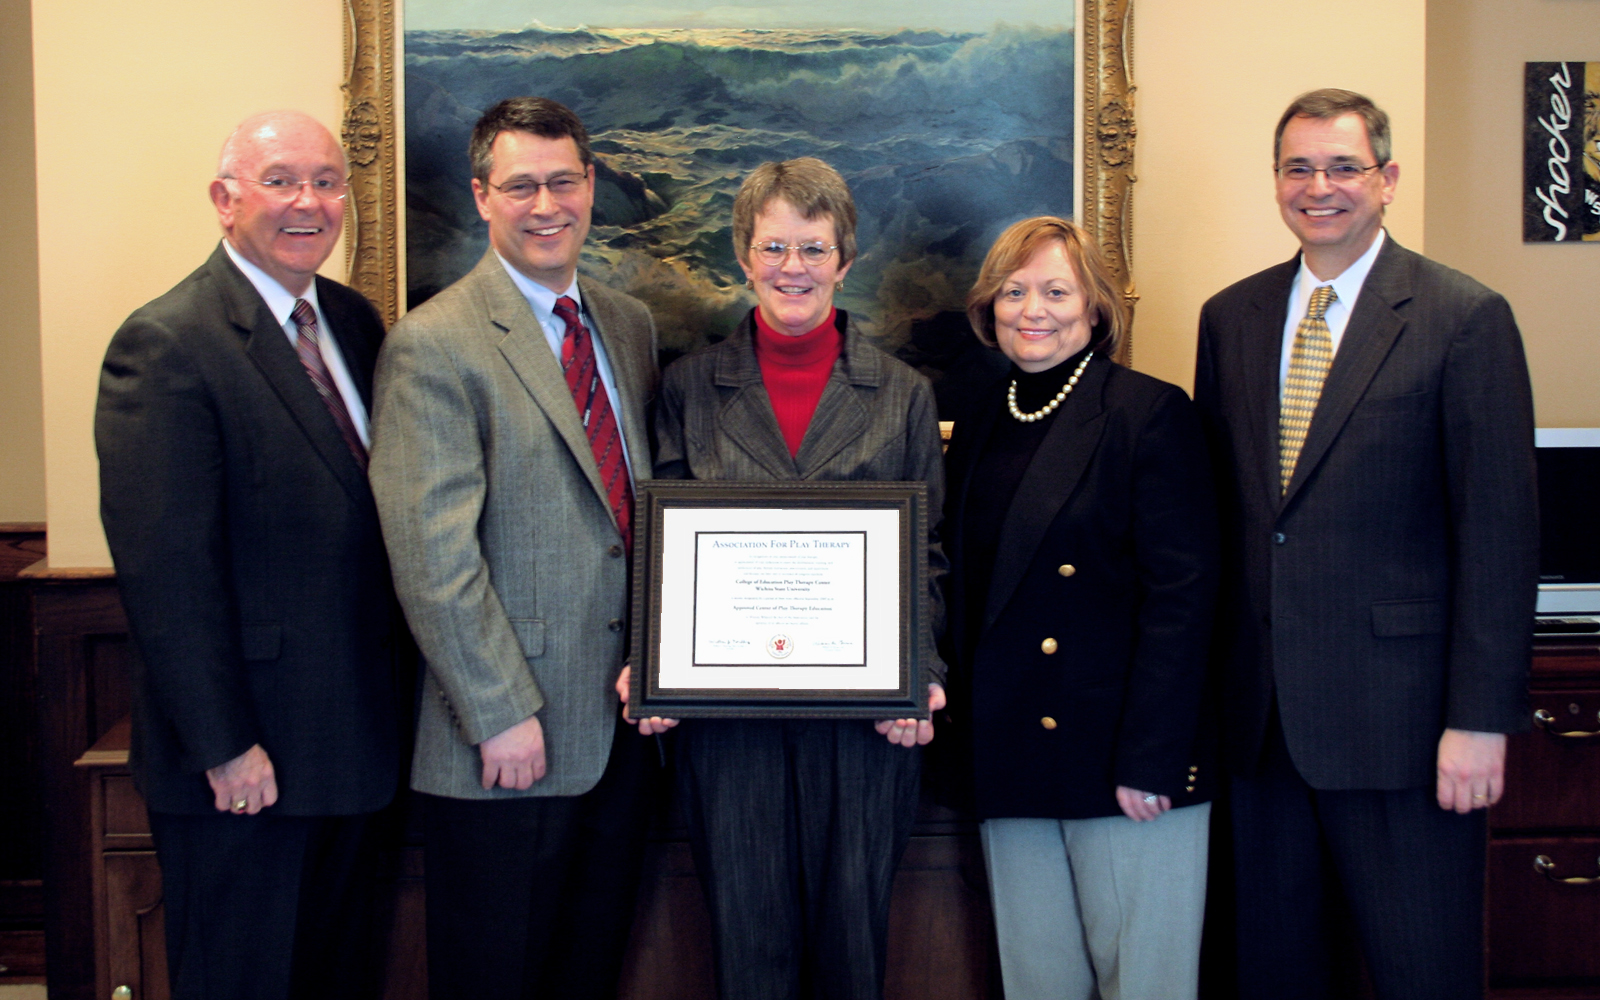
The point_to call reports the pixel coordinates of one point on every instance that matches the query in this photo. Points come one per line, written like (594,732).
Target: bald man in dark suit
(231,430)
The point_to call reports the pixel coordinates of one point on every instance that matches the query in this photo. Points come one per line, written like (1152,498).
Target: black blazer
(247,550)
(1120,491)
(1390,593)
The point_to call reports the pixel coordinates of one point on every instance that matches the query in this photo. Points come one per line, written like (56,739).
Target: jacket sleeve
(429,478)
(925,455)
(1175,555)
(163,502)
(1489,464)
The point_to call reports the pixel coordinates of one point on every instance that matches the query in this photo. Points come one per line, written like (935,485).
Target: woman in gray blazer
(797,825)
(1082,534)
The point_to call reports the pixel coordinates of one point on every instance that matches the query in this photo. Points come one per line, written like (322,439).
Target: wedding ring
(1150,800)
(240,806)
(1480,796)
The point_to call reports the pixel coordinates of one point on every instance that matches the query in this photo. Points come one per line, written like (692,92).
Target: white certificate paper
(801,599)
(780,599)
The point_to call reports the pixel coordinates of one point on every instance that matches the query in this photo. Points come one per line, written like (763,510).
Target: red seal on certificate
(779,646)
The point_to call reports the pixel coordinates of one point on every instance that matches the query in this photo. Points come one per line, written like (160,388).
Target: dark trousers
(533,897)
(797,828)
(271,907)
(1410,874)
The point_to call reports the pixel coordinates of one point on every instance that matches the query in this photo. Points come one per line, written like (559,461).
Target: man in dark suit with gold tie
(1372,421)
(232,434)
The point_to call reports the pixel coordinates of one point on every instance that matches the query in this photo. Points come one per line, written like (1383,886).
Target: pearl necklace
(1050,407)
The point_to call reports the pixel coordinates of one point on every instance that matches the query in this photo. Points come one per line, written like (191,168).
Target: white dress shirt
(1346,286)
(281,304)
(543,303)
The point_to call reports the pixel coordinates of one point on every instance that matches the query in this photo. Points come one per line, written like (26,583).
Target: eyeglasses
(814,253)
(561,185)
(288,188)
(1339,173)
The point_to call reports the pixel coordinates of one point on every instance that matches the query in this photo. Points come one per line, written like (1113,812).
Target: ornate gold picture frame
(372,127)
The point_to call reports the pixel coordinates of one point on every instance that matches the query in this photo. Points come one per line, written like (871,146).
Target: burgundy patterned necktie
(308,346)
(594,409)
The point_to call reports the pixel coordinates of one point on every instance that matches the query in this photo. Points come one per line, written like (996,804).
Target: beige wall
(21,425)
(166,80)
(1476,53)
(1213,79)
(138,97)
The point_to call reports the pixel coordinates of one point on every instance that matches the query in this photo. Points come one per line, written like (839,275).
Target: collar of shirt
(543,303)
(1347,288)
(279,302)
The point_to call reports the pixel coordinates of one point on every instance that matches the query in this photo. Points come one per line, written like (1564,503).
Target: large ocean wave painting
(945,136)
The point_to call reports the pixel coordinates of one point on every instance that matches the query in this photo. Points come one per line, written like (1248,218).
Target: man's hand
(1471,769)
(647,727)
(514,758)
(913,732)
(245,784)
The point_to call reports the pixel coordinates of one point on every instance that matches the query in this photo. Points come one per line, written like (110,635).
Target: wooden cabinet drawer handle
(1544,720)
(1544,866)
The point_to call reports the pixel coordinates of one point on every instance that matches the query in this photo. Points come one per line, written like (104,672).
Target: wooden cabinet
(130,952)
(1544,850)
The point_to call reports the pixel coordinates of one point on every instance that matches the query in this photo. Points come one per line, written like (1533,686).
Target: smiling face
(1041,317)
(542,236)
(794,298)
(288,239)
(1335,223)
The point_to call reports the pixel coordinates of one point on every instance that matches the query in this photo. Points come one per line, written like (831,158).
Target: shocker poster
(1561,152)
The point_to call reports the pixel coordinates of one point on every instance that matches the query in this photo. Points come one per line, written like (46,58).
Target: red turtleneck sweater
(794,371)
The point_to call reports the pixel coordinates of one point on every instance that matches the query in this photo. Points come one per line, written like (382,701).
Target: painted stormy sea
(944,137)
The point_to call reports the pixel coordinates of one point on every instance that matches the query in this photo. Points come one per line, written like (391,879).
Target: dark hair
(811,187)
(1331,102)
(536,115)
(1012,251)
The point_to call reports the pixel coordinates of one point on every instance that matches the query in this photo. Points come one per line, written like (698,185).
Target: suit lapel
(528,353)
(268,348)
(1368,336)
(1052,476)
(841,417)
(1263,360)
(747,418)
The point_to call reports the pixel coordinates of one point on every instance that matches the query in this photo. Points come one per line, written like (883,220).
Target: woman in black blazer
(1081,529)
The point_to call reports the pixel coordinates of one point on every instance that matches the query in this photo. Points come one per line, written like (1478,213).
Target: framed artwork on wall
(948,121)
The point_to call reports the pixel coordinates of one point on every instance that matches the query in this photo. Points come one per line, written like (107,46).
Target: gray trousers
(1099,908)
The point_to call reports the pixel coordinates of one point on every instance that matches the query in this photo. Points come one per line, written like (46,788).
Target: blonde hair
(1012,251)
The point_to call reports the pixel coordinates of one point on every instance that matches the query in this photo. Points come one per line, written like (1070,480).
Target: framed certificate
(780,600)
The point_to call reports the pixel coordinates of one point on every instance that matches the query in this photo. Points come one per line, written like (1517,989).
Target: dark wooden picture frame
(655,498)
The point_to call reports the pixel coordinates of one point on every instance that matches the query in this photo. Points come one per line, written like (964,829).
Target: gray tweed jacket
(506,556)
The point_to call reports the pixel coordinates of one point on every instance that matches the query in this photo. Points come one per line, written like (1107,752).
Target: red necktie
(594,408)
(307,346)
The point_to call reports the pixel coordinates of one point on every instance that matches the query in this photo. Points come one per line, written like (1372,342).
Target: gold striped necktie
(1308,369)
